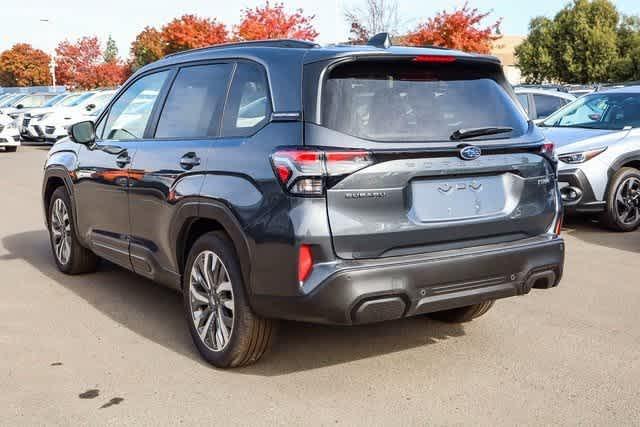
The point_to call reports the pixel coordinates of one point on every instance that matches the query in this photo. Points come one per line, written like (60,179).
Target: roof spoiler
(380,40)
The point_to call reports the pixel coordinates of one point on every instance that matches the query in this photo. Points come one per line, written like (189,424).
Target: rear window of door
(193,108)
(547,105)
(129,114)
(249,105)
(406,101)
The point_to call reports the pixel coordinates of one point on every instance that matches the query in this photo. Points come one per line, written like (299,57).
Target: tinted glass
(31,101)
(70,99)
(78,100)
(249,106)
(524,101)
(55,100)
(599,111)
(129,115)
(11,101)
(400,101)
(99,101)
(547,105)
(194,106)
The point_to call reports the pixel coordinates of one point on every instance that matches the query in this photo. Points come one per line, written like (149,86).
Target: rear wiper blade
(473,132)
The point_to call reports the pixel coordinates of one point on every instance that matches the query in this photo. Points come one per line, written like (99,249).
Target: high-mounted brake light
(304,172)
(436,59)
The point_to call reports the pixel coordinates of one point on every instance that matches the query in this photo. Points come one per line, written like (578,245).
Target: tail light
(306,172)
(305,262)
(548,148)
(558,227)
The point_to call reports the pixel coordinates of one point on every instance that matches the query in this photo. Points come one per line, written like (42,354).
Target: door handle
(189,160)
(123,160)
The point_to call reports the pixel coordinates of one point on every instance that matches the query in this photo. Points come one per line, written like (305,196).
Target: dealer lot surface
(112,348)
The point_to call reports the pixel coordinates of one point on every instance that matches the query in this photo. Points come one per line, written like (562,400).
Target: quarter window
(248,107)
(194,106)
(128,116)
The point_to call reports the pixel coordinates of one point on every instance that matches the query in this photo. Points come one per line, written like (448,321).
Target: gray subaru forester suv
(283,180)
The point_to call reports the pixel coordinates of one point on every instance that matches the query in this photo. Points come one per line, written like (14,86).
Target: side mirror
(83,133)
(91,107)
(19,106)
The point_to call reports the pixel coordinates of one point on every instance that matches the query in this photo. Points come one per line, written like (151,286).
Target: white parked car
(25,117)
(53,126)
(541,103)
(30,100)
(9,134)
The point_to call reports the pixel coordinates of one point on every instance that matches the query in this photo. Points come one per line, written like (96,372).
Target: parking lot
(112,348)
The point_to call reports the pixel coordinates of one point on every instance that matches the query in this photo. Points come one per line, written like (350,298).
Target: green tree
(110,51)
(627,65)
(535,55)
(586,40)
(578,46)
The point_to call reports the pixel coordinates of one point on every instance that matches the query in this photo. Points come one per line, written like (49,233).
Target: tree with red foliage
(190,31)
(81,65)
(76,61)
(147,47)
(110,74)
(273,22)
(22,65)
(460,29)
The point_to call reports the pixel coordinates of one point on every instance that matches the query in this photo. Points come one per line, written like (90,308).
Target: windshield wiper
(473,132)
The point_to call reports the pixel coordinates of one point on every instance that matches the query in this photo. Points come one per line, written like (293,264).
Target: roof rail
(381,40)
(284,43)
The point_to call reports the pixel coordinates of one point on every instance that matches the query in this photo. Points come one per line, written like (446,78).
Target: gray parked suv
(282,180)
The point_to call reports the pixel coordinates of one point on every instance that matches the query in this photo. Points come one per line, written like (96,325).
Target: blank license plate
(458,198)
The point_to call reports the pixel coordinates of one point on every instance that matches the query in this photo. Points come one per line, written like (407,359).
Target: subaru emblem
(470,153)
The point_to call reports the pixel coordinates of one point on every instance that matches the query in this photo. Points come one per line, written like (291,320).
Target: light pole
(52,65)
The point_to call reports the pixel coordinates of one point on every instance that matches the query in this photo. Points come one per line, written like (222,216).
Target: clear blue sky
(123,19)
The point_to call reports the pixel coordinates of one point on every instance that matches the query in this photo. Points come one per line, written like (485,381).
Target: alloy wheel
(61,231)
(211,300)
(628,200)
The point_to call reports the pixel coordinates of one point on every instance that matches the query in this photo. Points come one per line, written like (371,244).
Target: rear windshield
(406,101)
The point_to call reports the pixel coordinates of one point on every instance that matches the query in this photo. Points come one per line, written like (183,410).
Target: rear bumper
(371,291)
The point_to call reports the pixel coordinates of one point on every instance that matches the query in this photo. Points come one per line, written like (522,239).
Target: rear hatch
(454,162)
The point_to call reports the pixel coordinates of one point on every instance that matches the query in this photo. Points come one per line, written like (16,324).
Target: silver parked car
(541,103)
(597,139)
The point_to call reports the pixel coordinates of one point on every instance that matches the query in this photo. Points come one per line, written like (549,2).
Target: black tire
(462,314)
(612,218)
(250,334)
(80,260)
(11,149)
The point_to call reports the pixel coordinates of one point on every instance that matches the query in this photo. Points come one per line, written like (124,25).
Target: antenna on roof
(381,40)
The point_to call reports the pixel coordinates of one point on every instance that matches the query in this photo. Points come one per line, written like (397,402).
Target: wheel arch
(630,159)
(197,218)
(56,176)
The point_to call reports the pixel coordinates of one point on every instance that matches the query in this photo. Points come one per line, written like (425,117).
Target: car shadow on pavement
(591,231)
(155,313)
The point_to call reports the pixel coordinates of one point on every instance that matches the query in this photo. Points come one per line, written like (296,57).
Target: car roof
(549,92)
(303,52)
(280,57)
(624,89)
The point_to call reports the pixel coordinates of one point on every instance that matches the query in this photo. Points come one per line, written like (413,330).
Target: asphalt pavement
(113,348)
